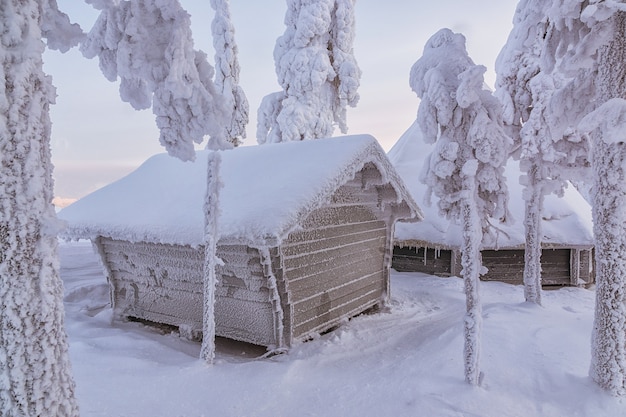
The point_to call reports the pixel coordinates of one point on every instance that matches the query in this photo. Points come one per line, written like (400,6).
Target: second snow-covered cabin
(432,246)
(305,236)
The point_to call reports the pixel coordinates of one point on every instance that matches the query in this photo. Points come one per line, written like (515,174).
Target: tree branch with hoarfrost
(317,70)
(465,170)
(587,43)
(148,45)
(227,72)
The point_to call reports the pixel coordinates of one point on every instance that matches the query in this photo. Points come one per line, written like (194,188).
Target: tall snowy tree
(227,72)
(35,374)
(587,42)
(547,158)
(465,170)
(317,70)
(148,44)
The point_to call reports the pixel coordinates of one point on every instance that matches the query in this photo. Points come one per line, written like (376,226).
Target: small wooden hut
(305,237)
(432,246)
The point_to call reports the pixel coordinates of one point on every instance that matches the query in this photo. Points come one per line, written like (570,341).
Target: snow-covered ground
(406,361)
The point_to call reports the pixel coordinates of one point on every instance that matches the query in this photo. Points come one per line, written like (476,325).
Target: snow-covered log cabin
(305,237)
(432,246)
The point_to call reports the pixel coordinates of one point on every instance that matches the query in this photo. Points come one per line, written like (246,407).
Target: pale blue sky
(96,138)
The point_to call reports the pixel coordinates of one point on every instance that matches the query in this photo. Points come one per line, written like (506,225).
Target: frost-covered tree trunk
(35,374)
(211,237)
(471,264)
(227,73)
(608,362)
(317,71)
(533,202)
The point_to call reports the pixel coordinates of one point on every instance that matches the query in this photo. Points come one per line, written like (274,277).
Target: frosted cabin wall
(333,266)
(163,284)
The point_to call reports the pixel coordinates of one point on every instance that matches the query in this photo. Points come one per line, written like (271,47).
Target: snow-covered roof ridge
(267,191)
(566,221)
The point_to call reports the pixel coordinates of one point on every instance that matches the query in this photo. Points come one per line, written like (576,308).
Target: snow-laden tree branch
(227,72)
(317,70)
(148,45)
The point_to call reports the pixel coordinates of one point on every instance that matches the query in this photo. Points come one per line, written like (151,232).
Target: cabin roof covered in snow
(566,221)
(267,190)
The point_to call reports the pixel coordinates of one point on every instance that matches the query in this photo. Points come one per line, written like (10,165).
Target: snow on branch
(578,28)
(148,45)
(610,118)
(227,72)
(56,27)
(316,67)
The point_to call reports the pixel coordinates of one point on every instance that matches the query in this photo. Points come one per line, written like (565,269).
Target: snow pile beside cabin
(566,220)
(267,190)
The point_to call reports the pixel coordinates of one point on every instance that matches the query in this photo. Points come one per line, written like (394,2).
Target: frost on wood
(148,45)
(35,374)
(275,301)
(465,170)
(317,70)
(227,73)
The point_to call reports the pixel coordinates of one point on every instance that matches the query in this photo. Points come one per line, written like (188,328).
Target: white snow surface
(566,220)
(267,190)
(406,361)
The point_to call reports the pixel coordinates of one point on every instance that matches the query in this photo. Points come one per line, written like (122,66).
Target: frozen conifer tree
(587,42)
(227,72)
(35,374)
(465,170)
(546,156)
(148,45)
(317,70)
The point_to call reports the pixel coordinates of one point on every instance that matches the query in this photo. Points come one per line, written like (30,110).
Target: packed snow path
(404,361)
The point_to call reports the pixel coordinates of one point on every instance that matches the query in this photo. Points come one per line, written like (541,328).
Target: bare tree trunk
(35,374)
(608,362)
(472,265)
(532,225)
